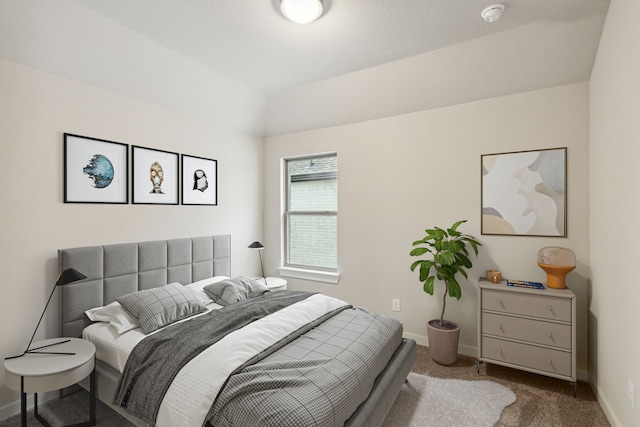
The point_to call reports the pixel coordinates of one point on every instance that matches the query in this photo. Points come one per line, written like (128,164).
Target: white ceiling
(249,41)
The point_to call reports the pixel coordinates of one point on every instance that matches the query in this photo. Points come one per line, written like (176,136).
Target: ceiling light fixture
(301,11)
(492,13)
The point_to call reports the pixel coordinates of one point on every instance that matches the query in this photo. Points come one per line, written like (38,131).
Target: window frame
(309,272)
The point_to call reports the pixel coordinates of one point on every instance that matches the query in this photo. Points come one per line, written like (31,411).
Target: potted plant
(447,255)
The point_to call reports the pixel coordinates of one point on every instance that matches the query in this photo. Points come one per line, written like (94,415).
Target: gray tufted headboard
(116,270)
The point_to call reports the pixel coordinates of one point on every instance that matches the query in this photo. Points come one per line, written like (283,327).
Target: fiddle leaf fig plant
(447,255)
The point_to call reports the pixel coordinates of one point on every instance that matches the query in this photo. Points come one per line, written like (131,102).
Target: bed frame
(119,269)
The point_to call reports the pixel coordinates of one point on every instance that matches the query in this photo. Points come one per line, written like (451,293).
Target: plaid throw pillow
(230,291)
(158,307)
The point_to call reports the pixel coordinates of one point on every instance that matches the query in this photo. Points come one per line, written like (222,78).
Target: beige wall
(615,209)
(36,108)
(400,175)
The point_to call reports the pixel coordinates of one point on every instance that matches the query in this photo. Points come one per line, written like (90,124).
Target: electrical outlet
(395,304)
(631,393)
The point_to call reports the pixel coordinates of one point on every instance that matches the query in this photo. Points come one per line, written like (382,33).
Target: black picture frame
(156,176)
(95,170)
(199,181)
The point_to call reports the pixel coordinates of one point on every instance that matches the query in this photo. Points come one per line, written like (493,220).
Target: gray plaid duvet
(318,379)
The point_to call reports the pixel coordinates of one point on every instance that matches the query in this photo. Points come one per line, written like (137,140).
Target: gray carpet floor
(540,401)
(71,409)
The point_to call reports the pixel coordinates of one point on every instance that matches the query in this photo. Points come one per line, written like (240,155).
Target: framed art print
(95,170)
(199,181)
(524,193)
(155,176)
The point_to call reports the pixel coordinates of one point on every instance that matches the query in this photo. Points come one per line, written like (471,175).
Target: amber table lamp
(557,262)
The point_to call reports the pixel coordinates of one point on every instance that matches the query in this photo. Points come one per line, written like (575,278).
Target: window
(311,217)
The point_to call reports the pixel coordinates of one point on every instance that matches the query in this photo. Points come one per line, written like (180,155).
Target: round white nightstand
(273,283)
(41,370)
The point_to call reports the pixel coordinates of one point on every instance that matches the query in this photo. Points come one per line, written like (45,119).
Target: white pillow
(198,288)
(115,315)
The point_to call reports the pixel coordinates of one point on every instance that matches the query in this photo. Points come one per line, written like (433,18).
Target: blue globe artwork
(100,170)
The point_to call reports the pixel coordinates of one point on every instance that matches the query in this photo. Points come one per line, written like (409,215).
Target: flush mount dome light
(301,11)
(492,13)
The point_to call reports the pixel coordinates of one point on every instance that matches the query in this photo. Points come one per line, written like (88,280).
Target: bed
(277,369)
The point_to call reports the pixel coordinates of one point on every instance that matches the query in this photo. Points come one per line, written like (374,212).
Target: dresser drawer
(535,331)
(527,305)
(556,362)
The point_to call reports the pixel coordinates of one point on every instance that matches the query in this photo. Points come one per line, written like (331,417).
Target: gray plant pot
(443,343)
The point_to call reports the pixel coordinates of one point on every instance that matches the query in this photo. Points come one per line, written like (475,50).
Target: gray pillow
(158,307)
(230,291)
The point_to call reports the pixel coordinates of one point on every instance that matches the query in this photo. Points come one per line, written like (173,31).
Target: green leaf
(454,289)
(464,260)
(428,285)
(453,233)
(418,251)
(455,226)
(437,233)
(424,270)
(474,244)
(462,271)
(446,258)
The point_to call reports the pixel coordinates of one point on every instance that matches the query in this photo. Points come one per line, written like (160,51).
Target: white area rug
(436,402)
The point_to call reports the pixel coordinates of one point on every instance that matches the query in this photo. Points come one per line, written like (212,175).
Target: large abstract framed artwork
(155,176)
(524,193)
(95,170)
(199,181)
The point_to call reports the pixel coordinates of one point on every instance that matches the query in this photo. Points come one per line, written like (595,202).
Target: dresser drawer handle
(500,327)
(500,303)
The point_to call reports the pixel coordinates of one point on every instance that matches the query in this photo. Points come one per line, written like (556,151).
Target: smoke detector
(492,13)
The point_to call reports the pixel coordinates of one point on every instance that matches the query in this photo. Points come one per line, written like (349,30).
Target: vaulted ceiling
(250,41)
(242,64)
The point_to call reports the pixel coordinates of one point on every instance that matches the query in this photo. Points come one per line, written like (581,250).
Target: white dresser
(529,329)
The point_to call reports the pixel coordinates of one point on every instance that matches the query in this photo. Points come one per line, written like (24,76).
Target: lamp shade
(557,262)
(69,275)
(258,245)
(301,11)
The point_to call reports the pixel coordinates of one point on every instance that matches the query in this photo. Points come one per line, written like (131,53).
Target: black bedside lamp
(258,245)
(67,276)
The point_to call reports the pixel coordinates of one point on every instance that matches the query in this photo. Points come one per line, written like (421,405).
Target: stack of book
(525,284)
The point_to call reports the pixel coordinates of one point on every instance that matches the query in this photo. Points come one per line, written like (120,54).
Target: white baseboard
(606,407)
(420,339)
(472,351)
(462,349)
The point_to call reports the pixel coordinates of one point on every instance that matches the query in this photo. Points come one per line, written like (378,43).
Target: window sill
(316,275)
